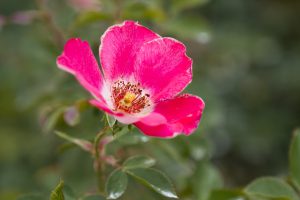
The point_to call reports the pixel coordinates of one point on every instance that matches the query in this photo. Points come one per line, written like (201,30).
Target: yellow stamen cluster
(129,97)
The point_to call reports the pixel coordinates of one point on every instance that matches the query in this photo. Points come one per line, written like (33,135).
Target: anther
(129,97)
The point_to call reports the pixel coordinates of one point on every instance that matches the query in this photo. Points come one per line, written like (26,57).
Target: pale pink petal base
(126,119)
(78,59)
(182,116)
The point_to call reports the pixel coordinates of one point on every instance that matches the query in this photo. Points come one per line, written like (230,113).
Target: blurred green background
(246,68)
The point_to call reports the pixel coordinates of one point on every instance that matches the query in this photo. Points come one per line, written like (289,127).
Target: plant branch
(98,165)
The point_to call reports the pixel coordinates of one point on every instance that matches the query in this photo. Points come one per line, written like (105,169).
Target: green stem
(97,140)
(293,185)
(99,165)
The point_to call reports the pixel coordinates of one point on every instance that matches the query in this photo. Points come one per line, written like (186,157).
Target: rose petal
(163,67)
(154,119)
(182,115)
(119,45)
(78,59)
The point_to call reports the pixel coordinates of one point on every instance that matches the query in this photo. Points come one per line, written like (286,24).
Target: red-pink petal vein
(119,45)
(163,67)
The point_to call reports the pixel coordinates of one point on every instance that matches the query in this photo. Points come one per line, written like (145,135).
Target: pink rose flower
(143,74)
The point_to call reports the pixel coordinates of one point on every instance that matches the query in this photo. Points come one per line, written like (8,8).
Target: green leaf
(57,193)
(110,120)
(227,195)
(155,180)
(269,187)
(116,184)
(205,179)
(138,162)
(132,138)
(83,144)
(294,159)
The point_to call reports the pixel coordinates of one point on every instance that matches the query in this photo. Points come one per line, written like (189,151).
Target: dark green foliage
(116,184)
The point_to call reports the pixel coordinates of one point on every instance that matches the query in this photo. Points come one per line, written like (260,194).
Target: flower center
(129,97)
